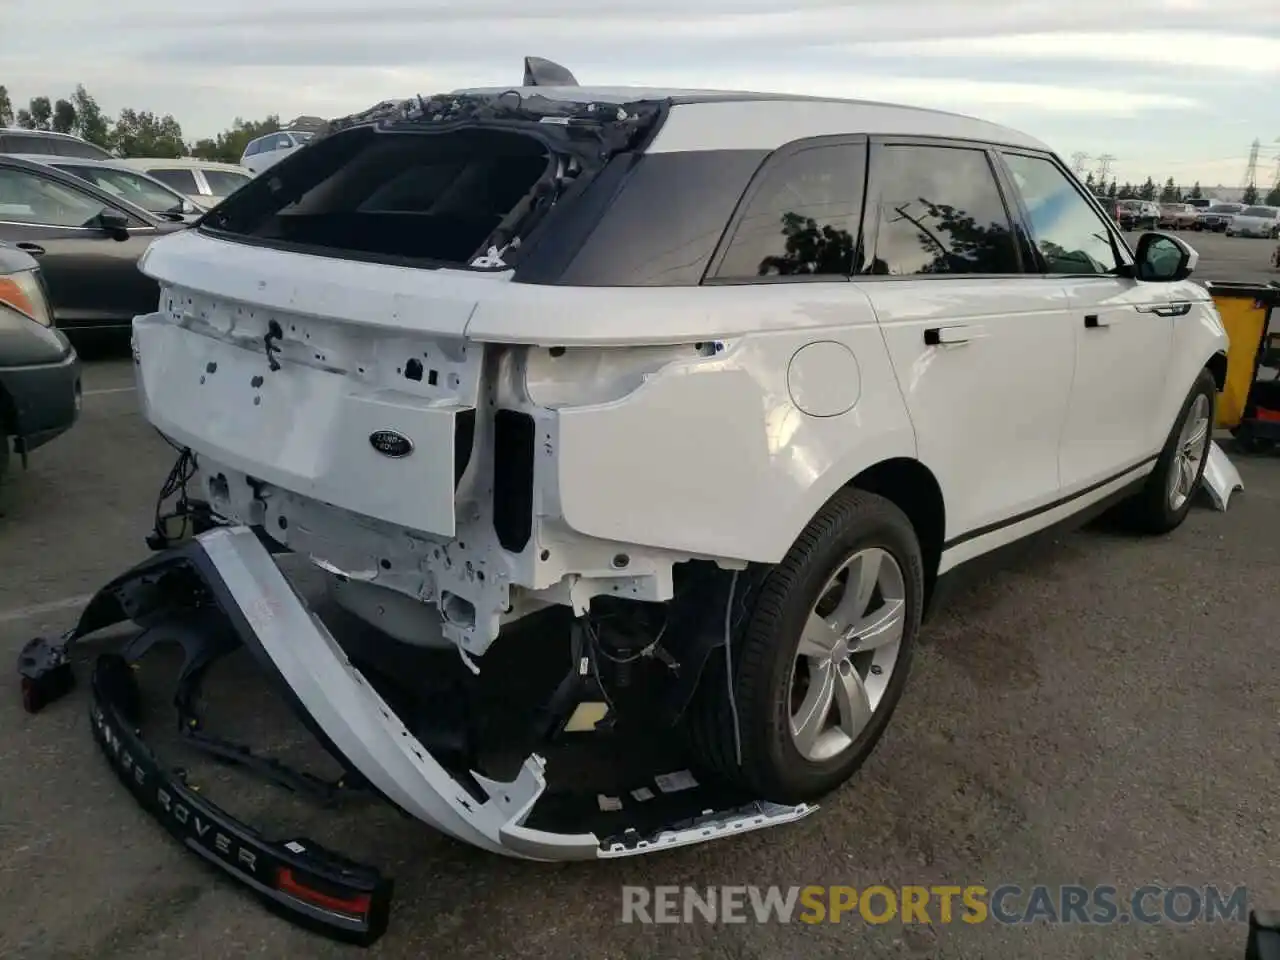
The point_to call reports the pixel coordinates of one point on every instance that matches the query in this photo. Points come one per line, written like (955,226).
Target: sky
(1170,88)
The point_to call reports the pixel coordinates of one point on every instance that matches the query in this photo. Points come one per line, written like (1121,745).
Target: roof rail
(540,72)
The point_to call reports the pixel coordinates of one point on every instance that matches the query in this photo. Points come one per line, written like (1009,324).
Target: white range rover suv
(706,395)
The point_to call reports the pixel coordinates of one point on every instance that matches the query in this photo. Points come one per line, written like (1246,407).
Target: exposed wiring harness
(728,665)
(180,474)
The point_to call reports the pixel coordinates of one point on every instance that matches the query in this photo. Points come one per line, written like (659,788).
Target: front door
(982,350)
(1122,327)
(92,273)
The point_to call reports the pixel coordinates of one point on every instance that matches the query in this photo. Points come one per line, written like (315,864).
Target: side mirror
(1161,258)
(116,224)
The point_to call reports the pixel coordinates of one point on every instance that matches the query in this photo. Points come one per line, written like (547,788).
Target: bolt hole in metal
(621,561)
(847,653)
(1193,447)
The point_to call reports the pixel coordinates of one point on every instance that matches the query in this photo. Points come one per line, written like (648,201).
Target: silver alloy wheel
(847,653)
(1193,447)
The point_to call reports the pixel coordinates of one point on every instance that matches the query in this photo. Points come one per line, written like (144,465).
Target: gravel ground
(1102,714)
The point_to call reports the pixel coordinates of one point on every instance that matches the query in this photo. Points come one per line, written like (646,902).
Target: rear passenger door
(1122,327)
(982,349)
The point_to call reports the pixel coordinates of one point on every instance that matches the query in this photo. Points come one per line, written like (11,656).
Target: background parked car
(1217,216)
(132,185)
(1177,215)
(205,183)
(261,153)
(1261,222)
(86,240)
(1137,214)
(48,143)
(39,371)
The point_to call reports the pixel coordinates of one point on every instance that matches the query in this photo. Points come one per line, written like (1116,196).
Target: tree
(64,117)
(1196,193)
(143,134)
(24,120)
(1148,190)
(90,124)
(1250,196)
(1169,192)
(229,145)
(41,113)
(1111,189)
(1089,183)
(1273,198)
(1127,192)
(6,108)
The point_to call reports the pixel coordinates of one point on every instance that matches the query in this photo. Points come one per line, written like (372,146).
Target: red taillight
(356,906)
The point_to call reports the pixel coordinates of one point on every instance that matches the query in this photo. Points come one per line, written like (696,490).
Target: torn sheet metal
(1221,478)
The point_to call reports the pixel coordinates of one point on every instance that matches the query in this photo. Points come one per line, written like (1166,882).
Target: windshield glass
(138,189)
(1226,208)
(1267,213)
(302,137)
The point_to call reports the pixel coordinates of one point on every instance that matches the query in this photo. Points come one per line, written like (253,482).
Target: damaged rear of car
(391,356)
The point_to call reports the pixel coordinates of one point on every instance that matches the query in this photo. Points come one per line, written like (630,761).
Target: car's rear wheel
(819,661)
(1165,499)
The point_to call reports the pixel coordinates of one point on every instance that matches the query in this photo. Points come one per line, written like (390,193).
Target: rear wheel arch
(911,486)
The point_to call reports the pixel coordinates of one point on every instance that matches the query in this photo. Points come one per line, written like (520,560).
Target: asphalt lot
(1103,714)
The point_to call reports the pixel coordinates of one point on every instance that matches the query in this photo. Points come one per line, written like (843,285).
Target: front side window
(1068,232)
(803,218)
(27,198)
(182,180)
(939,211)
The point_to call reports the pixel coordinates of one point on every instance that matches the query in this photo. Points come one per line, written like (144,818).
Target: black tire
(1150,510)
(764,648)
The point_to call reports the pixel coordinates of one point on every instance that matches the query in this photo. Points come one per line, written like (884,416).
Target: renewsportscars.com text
(971,904)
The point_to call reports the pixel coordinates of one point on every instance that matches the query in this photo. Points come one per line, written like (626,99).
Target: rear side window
(1265,212)
(938,210)
(78,149)
(253,147)
(184,181)
(1070,235)
(23,143)
(223,183)
(801,220)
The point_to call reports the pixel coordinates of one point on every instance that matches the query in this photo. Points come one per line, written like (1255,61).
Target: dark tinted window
(802,219)
(253,147)
(25,143)
(651,221)
(1258,212)
(223,183)
(184,181)
(79,149)
(938,211)
(1069,233)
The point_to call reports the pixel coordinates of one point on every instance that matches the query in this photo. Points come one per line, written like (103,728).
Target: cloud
(1234,53)
(1093,75)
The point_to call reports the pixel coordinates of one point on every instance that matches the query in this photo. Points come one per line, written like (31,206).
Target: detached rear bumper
(230,568)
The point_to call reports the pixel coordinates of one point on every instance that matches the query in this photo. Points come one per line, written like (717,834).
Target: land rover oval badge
(391,444)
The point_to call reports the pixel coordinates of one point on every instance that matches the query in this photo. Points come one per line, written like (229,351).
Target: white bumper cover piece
(1221,478)
(367,731)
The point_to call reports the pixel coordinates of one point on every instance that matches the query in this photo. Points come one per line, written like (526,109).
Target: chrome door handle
(1093,321)
(941,336)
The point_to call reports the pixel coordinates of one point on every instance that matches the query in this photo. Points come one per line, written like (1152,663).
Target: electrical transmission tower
(1078,161)
(1251,171)
(1275,179)
(1104,167)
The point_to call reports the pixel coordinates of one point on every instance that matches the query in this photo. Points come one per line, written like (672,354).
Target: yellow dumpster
(1246,312)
